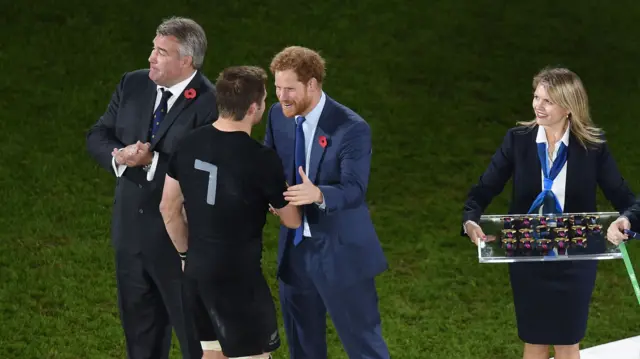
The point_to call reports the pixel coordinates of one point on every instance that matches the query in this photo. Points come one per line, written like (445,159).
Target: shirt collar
(313,117)
(178,88)
(542,137)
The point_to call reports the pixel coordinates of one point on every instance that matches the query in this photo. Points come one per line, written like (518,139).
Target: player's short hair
(237,88)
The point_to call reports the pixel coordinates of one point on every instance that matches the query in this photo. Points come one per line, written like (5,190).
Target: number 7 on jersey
(213,179)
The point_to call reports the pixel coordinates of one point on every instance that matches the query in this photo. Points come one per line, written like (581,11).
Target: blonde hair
(566,89)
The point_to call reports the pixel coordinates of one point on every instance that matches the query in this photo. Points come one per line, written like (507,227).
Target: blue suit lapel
(317,153)
(317,148)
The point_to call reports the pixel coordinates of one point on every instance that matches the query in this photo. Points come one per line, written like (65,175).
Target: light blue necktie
(300,161)
(547,198)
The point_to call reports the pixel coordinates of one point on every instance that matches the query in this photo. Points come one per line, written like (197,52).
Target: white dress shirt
(176,91)
(309,128)
(560,183)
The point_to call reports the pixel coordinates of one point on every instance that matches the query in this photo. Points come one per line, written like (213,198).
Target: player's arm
(290,215)
(274,185)
(171,210)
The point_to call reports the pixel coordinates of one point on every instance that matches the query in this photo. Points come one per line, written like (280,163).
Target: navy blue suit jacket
(518,158)
(633,214)
(348,249)
(137,223)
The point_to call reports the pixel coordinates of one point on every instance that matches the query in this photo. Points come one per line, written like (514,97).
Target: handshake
(137,154)
(302,194)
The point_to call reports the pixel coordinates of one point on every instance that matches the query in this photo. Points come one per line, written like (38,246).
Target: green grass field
(440,82)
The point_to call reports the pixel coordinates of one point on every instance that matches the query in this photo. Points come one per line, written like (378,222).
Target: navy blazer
(633,214)
(518,158)
(347,246)
(137,223)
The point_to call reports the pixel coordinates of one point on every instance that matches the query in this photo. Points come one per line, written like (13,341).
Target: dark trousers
(305,301)
(150,298)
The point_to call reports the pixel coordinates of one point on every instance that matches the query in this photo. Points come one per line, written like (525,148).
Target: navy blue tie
(300,161)
(160,112)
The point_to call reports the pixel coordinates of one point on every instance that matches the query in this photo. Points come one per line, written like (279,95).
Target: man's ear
(313,84)
(252,109)
(187,61)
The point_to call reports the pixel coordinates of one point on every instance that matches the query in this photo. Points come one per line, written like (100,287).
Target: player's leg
(261,356)
(212,350)
(223,303)
(200,320)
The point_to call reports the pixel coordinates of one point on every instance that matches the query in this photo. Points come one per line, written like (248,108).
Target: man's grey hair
(190,35)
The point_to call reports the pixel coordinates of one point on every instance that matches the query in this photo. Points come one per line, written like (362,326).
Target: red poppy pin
(322,140)
(190,93)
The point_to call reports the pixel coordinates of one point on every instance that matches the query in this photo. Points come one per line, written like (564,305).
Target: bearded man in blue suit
(329,264)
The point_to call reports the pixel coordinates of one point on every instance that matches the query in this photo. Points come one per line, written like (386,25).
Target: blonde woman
(556,161)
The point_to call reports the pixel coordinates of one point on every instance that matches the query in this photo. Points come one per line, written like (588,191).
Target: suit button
(139,186)
(140,210)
